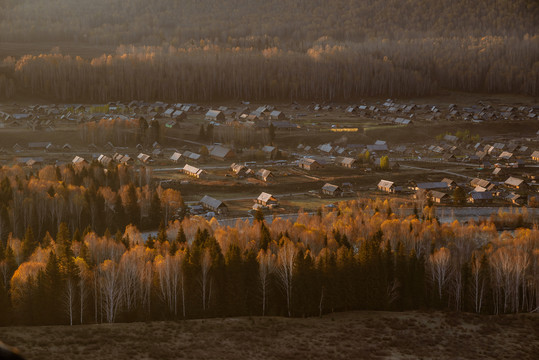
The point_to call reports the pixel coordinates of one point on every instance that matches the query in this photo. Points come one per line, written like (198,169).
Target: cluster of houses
(404,114)
(262,117)
(477,191)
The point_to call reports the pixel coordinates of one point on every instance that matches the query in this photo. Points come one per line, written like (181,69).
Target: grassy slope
(354,335)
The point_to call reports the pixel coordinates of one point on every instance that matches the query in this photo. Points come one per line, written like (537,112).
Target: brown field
(354,335)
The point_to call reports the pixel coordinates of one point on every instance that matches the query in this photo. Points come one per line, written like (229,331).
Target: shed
(387,186)
(515,183)
(215,205)
(263,174)
(266,199)
(331,190)
(215,115)
(309,164)
(193,171)
(221,153)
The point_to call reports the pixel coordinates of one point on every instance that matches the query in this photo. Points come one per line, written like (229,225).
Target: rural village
(230,161)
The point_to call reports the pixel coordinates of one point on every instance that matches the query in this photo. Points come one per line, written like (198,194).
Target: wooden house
(309,164)
(331,190)
(214,205)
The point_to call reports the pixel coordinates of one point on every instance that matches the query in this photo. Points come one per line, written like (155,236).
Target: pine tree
(162,234)
(180,237)
(155,210)
(52,290)
(29,243)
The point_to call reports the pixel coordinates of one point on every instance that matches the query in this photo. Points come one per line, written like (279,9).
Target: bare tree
(109,281)
(205,277)
(170,274)
(70,293)
(440,266)
(266,266)
(285,268)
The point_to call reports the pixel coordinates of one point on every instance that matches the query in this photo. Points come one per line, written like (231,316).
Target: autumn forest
(64,249)
(307,50)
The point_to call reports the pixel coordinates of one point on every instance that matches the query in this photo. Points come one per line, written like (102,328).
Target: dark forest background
(287,50)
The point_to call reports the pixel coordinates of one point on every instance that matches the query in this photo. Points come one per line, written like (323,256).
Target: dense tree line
(328,70)
(360,255)
(290,24)
(81,196)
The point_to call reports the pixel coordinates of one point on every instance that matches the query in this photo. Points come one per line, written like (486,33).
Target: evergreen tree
(53,288)
(29,243)
(155,210)
(131,206)
(180,237)
(162,234)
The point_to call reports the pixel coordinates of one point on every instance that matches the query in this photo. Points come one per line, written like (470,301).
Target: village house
(104,160)
(448,157)
(263,174)
(215,115)
(430,186)
(484,197)
(346,162)
(535,155)
(191,156)
(450,183)
(221,153)
(266,199)
(239,169)
(516,183)
(277,115)
(309,164)
(214,205)
(439,197)
(144,158)
(269,151)
(194,171)
(387,186)
(331,190)
(482,183)
(77,160)
(506,155)
(176,157)
(516,199)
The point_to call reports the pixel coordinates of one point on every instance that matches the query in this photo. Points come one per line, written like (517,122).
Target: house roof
(448,181)
(263,173)
(78,160)
(535,154)
(432,185)
(325,148)
(330,187)
(268,148)
(265,197)
(307,161)
(211,202)
(192,169)
(451,138)
(437,194)
(505,155)
(144,157)
(214,113)
(377,147)
(176,156)
(480,182)
(219,151)
(485,195)
(386,184)
(347,161)
(513,181)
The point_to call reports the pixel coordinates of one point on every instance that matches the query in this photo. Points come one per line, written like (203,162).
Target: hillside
(294,23)
(354,335)
(207,50)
